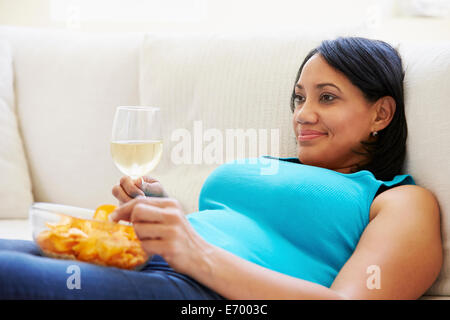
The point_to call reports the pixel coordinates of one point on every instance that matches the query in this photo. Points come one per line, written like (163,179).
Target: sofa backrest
(67,86)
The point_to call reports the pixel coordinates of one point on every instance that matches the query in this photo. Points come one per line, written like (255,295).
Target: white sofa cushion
(15,186)
(427,84)
(15,229)
(68,86)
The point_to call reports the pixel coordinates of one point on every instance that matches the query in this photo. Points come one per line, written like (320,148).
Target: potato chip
(103,211)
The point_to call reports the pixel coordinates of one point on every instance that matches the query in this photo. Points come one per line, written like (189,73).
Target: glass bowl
(67,232)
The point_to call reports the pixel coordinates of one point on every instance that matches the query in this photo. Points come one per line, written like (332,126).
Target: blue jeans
(25,274)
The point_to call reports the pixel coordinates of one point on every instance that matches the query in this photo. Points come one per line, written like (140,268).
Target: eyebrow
(321,85)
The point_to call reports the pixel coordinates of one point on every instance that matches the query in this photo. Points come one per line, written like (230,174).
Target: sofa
(59,90)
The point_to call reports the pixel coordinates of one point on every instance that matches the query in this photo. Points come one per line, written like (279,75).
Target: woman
(338,221)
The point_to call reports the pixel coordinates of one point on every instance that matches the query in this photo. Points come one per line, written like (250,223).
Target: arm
(236,278)
(403,240)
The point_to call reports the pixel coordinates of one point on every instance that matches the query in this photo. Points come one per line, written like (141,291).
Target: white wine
(135,158)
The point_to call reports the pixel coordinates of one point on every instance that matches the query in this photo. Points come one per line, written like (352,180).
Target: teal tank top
(297,219)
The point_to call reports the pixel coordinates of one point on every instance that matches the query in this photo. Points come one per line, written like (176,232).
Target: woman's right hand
(129,189)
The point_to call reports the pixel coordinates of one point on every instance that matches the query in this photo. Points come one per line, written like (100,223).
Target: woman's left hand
(162,227)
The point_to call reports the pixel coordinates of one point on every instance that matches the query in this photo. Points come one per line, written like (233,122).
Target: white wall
(384,17)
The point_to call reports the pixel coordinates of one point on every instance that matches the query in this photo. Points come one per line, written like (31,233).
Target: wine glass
(136,143)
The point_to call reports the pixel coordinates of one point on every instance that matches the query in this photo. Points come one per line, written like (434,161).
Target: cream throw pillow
(427,84)
(15,186)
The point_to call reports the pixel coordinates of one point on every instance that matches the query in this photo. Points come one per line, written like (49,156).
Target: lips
(311,132)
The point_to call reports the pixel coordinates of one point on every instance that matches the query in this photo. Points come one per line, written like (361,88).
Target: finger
(124,211)
(149,179)
(130,187)
(143,212)
(153,231)
(120,194)
(151,187)
(161,202)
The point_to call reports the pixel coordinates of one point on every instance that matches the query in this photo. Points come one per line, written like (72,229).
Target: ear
(384,112)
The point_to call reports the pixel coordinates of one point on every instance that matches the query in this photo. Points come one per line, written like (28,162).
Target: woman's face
(327,102)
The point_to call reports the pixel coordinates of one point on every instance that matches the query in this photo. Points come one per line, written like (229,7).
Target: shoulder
(403,241)
(406,199)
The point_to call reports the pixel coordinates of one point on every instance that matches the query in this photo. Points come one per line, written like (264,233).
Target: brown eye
(327,98)
(298,99)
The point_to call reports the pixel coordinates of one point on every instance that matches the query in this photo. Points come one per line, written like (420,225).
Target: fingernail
(139,181)
(112,216)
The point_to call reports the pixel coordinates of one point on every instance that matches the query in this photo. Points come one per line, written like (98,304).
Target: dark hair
(375,67)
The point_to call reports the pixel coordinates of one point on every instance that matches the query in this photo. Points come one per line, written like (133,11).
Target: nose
(306,114)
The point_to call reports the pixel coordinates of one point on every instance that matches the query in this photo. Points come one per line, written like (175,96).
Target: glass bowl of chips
(67,232)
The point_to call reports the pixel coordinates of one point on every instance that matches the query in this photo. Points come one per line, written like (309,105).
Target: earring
(374,133)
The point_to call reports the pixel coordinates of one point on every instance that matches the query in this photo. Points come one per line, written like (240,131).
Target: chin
(308,159)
